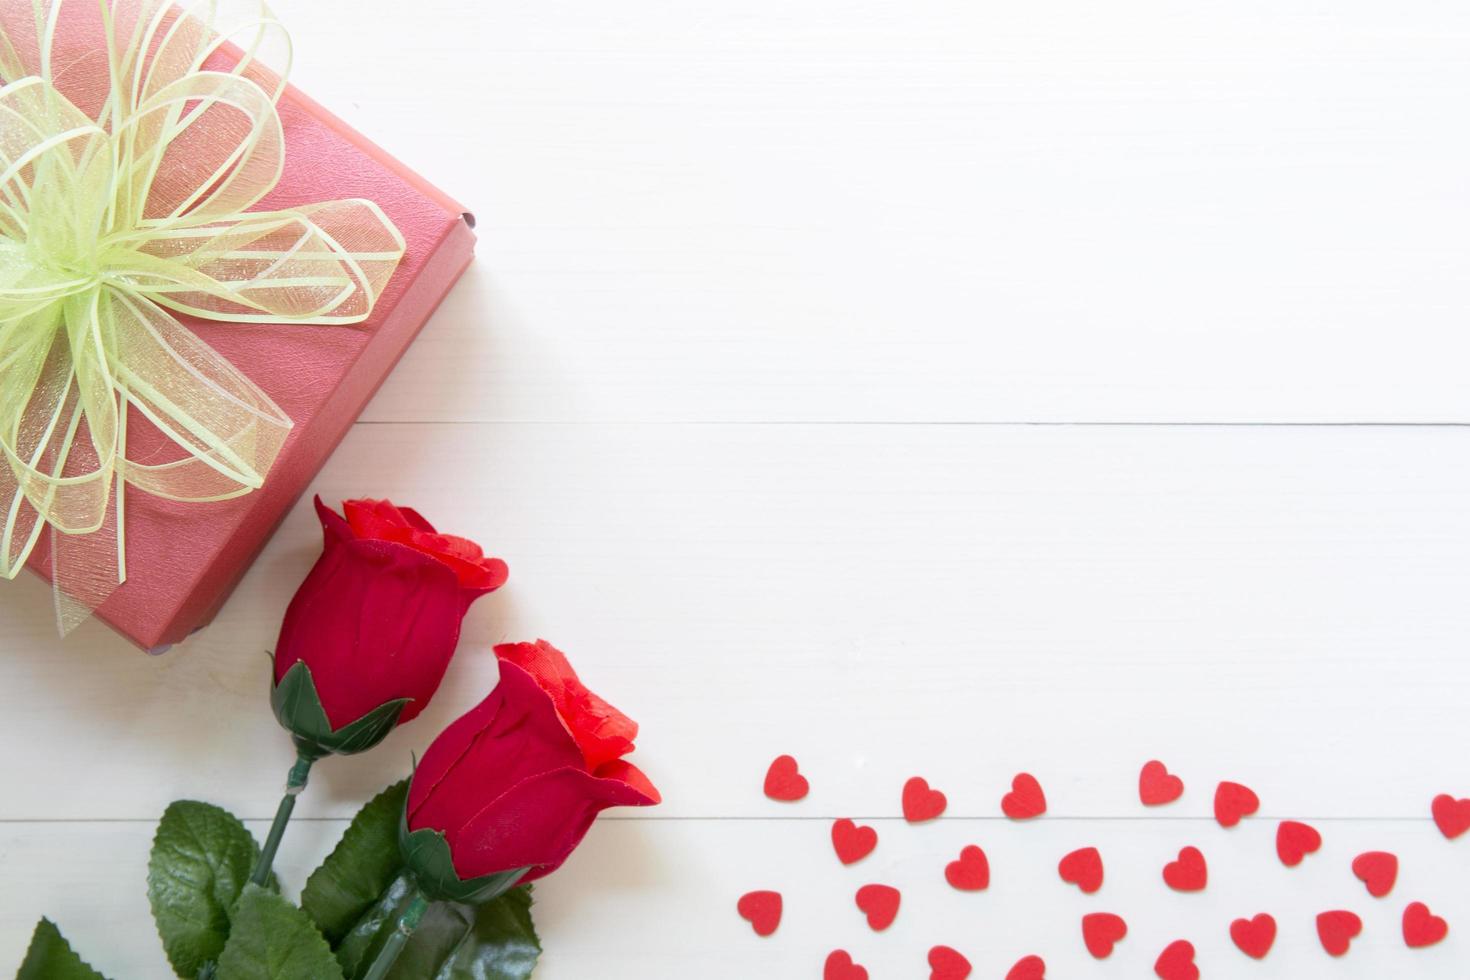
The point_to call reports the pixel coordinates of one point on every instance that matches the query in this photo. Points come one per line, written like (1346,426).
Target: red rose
(603,733)
(379,520)
(517,782)
(378,616)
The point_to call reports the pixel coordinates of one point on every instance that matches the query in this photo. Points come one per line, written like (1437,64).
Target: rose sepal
(426,854)
(298,708)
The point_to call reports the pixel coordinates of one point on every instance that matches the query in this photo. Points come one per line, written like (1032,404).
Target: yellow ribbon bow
(135,136)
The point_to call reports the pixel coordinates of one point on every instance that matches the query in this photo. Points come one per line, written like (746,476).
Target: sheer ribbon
(135,137)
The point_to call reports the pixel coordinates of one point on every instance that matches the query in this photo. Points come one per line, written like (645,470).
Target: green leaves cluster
(216,926)
(201,860)
(361,889)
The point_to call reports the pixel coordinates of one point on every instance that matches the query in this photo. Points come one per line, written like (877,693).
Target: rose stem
(295,783)
(407,923)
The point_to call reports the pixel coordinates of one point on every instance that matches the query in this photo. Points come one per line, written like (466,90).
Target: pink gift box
(185,559)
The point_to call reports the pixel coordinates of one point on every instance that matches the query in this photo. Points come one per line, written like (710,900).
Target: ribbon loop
(322,263)
(135,137)
(229,429)
(206,146)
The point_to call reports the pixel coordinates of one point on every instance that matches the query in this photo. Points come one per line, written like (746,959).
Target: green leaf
(201,859)
(494,941)
(502,945)
(360,868)
(274,940)
(299,709)
(51,958)
(361,945)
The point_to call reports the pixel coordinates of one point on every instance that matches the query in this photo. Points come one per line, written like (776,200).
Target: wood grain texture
(937,210)
(1278,606)
(657,898)
(755,282)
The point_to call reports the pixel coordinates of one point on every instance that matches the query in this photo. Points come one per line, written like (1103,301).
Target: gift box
(183,559)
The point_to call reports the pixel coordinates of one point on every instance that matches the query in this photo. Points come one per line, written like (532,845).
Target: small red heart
(921,803)
(1234,801)
(1156,786)
(1028,968)
(947,964)
(1452,816)
(1378,870)
(1083,868)
(1025,800)
(880,904)
(1337,930)
(851,842)
(762,910)
(1422,927)
(841,967)
(971,872)
(1294,841)
(1101,931)
(784,782)
(1189,873)
(1176,962)
(1254,937)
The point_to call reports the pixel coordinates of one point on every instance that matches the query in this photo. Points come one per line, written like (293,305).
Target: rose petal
(510,736)
(602,731)
(375,622)
(537,823)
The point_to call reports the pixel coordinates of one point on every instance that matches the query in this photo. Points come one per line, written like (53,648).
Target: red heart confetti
(1378,870)
(784,781)
(1294,841)
(880,904)
(762,910)
(1189,873)
(971,872)
(1025,800)
(851,842)
(1234,801)
(840,966)
(1028,968)
(1101,931)
(1156,786)
(947,964)
(921,803)
(1451,816)
(1176,962)
(1083,868)
(1422,927)
(1254,937)
(1337,930)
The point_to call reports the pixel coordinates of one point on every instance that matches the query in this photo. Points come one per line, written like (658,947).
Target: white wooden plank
(937,210)
(1280,606)
(656,898)
(764,212)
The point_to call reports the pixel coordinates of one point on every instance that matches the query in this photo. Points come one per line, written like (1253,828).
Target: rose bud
(508,791)
(370,632)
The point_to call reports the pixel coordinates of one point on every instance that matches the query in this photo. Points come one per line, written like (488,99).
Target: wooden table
(934,388)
